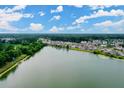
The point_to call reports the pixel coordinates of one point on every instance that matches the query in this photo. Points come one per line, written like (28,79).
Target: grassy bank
(99,53)
(10,65)
(77,49)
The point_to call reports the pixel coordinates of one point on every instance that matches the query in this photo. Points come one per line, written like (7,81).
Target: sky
(61,19)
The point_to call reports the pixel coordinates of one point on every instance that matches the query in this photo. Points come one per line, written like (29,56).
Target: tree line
(10,51)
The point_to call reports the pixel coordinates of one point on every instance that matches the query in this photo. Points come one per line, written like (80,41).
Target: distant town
(113,48)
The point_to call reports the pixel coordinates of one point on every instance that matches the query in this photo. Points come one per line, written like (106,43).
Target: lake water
(59,68)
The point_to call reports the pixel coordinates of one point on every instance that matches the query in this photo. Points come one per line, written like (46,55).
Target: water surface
(53,68)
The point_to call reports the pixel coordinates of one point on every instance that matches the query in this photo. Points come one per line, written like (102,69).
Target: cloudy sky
(61,19)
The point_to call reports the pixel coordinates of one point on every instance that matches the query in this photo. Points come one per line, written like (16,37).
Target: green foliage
(9,52)
(97,52)
(3,58)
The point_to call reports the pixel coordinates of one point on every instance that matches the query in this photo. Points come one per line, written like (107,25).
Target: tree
(2,60)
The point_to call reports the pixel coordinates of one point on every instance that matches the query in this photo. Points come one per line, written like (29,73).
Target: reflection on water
(59,68)
(60,48)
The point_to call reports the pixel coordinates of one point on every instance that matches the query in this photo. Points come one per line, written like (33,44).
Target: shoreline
(7,68)
(116,57)
(93,52)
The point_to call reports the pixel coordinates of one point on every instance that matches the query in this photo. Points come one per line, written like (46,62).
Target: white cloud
(119,23)
(6,26)
(15,16)
(58,9)
(78,6)
(66,28)
(73,27)
(15,8)
(41,13)
(26,15)
(79,20)
(9,15)
(36,27)
(95,7)
(105,23)
(82,29)
(55,18)
(116,26)
(61,28)
(99,13)
(109,23)
(54,29)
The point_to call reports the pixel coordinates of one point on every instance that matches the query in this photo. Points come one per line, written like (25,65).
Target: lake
(60,68)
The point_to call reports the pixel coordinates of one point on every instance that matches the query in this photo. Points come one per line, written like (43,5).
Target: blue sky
(61,19)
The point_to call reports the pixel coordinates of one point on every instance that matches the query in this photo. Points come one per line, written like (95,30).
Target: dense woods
(81,37)
(9,51)
(62,37)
